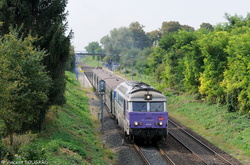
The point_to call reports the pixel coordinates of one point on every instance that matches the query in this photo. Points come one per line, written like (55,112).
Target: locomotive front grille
(149,133)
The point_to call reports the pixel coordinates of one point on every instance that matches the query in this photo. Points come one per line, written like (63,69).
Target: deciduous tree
(237,76)
(45,19)
(24,84)
(215,61)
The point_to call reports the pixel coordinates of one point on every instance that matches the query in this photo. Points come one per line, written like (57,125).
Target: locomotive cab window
(139,106)
(156,106)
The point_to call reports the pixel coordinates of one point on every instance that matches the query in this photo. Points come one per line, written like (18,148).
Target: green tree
(207,26)
(141,40)
(118,42)
(233,22)
(142,60)
(47,21)
(188,28)
(212,47)
(156,58)
(24,84)
(192,60)
(94,47)
(70,66)
(173,60)
(168,27)
(154,36)
(237,76)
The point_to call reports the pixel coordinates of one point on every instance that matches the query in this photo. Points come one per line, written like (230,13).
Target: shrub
(33,152)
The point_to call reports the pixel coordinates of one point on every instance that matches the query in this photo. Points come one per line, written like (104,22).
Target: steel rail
(170,161)
(197,140)
(141,154)
(194,154)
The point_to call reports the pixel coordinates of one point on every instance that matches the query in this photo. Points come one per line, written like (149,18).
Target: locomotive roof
(130,87)
(111,80)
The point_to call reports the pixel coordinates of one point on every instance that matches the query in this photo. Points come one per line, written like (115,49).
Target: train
(139,109)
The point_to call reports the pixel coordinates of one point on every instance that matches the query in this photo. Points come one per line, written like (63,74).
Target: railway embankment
(68,135)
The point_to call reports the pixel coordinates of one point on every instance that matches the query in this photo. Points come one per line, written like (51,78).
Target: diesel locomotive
(139,109)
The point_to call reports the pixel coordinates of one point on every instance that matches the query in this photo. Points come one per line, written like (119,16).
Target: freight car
(139,109)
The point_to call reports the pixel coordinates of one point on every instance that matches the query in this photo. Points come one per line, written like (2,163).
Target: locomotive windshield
(144,106)
(156,106)
(139,106)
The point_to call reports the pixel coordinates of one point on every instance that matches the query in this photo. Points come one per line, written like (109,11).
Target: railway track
(153,155)
(195,146)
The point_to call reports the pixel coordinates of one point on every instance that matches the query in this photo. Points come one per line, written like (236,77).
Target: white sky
(91,20)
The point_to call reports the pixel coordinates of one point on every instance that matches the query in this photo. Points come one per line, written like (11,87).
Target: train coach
(112,81)
(139,109)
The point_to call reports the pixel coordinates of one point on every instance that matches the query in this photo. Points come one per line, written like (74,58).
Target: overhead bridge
(85,53)
(91,53)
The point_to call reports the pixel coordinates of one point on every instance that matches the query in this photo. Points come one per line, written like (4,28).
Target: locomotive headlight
(148,97)
(136,123)
(160,123)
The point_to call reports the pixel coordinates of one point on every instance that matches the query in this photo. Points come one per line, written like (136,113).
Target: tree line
(34,53)
(212,62)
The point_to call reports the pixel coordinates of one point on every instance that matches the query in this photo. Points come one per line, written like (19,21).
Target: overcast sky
(90,20)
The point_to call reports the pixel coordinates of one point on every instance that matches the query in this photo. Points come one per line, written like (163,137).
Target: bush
(33,152)
(3,151)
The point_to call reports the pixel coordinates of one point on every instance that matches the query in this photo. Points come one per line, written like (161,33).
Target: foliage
(169,27)
(215,60)
(176,47)
(58,49)
(141,63)
(237,76)
(95,48)
(24,84)
(211,62)
(154,36)
(68,136)
(156,58)
(120,40)
(141,40)
(47,21)
(173,26)
(192,61)
(214,63)
(207,26)
(70,65)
